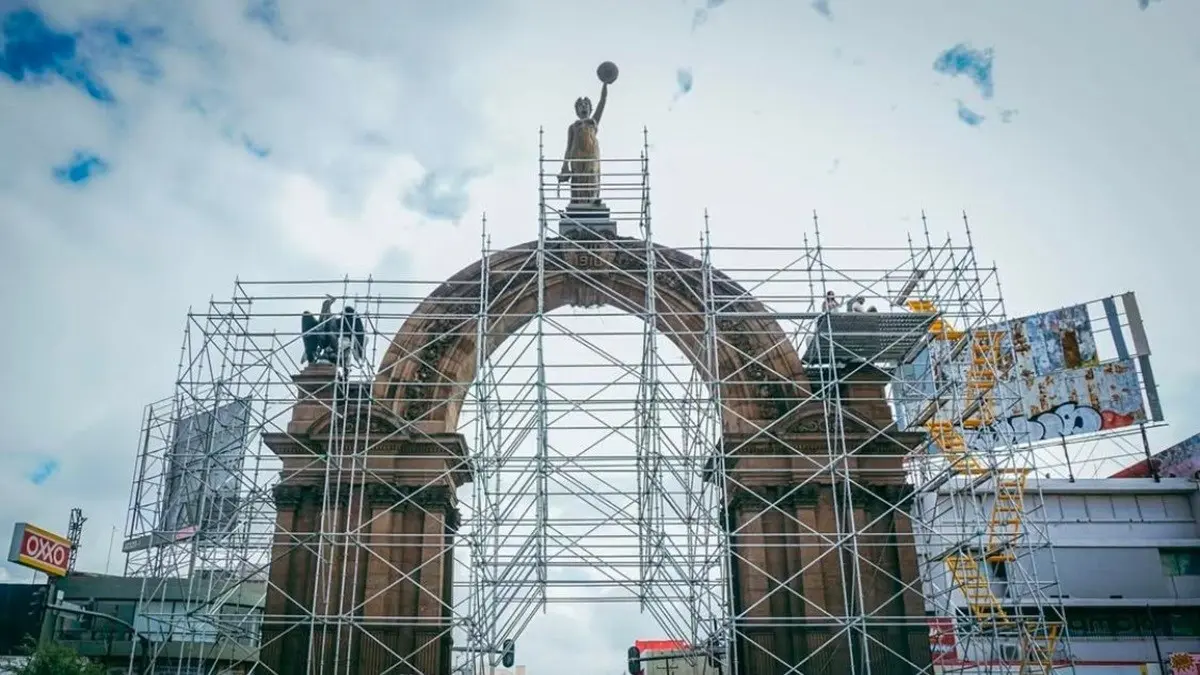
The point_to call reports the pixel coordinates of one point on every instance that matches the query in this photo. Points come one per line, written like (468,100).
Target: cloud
(226,151)
(301,140)
(973,64)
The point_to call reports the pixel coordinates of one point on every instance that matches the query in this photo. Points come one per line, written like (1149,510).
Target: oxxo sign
(38,549)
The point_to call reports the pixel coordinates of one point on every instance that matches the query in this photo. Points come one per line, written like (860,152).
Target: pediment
(374,421)
(815,419)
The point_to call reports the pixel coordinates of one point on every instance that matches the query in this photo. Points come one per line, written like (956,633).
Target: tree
(53,659)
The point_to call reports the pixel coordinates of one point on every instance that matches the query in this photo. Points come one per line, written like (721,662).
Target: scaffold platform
(589,418)
(879,338)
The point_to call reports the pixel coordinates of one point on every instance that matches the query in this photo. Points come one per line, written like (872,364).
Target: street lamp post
(142,641)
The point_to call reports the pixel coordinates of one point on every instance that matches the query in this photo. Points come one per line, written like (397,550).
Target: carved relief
(781,496)
(677,274)
(295,495)
(788,497)
(364,419)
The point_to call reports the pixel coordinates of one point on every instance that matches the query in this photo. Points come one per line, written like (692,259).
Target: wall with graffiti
(1181,460)
(1051,381)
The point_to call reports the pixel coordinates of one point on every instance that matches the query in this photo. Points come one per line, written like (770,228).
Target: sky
(153,153)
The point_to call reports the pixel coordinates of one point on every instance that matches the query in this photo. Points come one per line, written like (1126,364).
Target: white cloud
(1086,193)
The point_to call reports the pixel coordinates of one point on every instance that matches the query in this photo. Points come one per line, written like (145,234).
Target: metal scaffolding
(599,469)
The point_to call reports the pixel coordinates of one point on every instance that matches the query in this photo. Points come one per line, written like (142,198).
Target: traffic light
(635,661)
(714,657)
(37,602)
(715,652)
(508,654)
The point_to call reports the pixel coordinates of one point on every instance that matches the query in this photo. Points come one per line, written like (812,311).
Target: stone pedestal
(587,220)
(362,568)
(790,576)
(794,580)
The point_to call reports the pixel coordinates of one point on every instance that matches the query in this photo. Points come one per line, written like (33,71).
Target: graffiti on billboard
(1049,382)
(1052,342)
(943,643)
(1183,663)
(1181,460)
(1066,403)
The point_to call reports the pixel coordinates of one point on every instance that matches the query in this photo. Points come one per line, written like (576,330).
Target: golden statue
(581,163)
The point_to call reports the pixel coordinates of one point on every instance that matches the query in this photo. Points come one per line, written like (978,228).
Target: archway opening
(589,522)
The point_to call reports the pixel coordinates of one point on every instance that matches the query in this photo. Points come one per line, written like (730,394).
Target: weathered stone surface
(400,458)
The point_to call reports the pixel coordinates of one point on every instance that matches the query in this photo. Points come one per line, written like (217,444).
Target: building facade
(1127,556)
(176,632)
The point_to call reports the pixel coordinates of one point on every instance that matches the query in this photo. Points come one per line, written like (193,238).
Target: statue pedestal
(587,220)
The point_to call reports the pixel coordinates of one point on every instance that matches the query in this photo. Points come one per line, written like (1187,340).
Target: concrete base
(587,220)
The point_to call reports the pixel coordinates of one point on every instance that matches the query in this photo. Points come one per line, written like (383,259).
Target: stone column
(794,582)
(362,561)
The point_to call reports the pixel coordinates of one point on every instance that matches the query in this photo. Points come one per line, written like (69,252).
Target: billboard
(203,487)
(1181,460)
(943,643)
(1184,663)
(663,660)
(1050,379)
(1066,403)
(40,549)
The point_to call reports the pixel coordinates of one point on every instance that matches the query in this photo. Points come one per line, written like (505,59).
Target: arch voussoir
(432,359)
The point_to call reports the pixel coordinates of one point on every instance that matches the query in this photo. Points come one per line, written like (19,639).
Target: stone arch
(431,360)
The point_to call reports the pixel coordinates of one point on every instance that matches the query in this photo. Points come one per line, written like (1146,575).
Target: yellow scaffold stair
(1037,639)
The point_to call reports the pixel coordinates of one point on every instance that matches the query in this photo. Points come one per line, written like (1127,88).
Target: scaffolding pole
(594,419)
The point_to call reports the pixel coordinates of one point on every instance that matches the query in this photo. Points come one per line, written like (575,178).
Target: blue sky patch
(82,167)
(254,148)
(439,196)
(969,116)
(116,44)
(268,14)
(702,14)
(973,64)
(43,472)
(34,53)
(683,81)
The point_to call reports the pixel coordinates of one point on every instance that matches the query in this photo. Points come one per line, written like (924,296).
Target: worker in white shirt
(831,302)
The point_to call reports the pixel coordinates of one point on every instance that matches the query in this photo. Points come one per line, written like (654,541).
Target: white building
(1127,556)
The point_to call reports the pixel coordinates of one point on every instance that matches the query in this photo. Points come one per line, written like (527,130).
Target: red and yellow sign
(645,646)
(38,549)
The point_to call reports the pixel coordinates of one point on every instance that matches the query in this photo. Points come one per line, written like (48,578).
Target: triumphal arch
(788,512)
(820,574)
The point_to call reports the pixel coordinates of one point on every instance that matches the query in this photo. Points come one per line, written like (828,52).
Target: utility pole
(74,535)
(1154,635)
(143,642)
